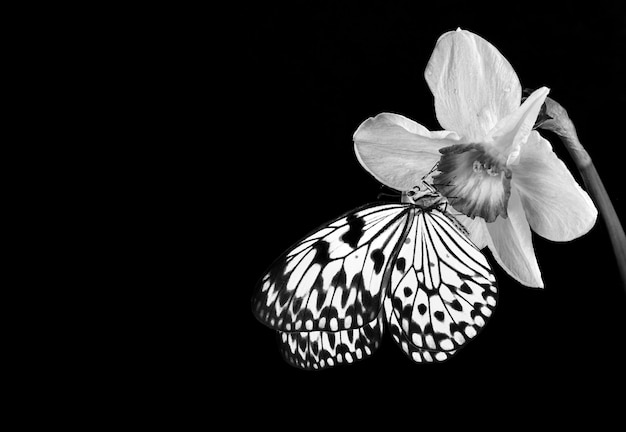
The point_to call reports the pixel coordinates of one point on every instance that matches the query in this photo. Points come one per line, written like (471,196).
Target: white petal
(397,151)
(476,227)
(473,84)
(512,132)
(556,207)
(511,244)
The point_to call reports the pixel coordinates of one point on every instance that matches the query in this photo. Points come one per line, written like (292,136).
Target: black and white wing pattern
(408,264)
(325,294)
(442,290)
(322,349)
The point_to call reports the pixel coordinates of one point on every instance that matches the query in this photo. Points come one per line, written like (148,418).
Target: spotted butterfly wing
(442,290)
(322,349)
(328,295)
(325,294)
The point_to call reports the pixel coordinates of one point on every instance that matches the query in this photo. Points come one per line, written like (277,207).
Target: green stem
(562,125)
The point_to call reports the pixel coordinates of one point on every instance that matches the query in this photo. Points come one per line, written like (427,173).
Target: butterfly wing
(442,289)
(322,349)
(330,285)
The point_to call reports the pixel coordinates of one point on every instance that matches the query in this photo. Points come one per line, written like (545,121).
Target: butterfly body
(407,264)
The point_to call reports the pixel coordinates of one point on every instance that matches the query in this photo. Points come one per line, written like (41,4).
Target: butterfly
(409,267)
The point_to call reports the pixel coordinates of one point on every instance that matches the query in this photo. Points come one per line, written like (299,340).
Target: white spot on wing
(446,344)
(441,356)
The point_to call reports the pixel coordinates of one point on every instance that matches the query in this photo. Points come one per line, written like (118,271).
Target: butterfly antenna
(432,170)
(443,184)
(387,192)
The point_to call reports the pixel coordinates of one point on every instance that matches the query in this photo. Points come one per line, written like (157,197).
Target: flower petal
(473,84)
(477,229)
(512,132)
(397,151)
(556,207)
(510,243)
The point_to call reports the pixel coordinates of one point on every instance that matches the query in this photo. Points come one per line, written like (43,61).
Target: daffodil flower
(498,172)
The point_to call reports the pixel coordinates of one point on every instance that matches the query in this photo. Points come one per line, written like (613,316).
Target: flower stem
(560,123)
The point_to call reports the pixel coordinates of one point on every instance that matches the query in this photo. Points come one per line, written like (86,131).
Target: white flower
(492,166)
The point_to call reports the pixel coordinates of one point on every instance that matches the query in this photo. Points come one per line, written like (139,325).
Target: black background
(310,76)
